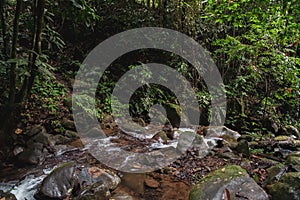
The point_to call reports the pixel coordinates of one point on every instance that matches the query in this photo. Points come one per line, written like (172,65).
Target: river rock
(231,181)
(96,183)
(17,150)
(35,130)
(221,132)
(121,196)
(291,130)
(32,155)
(273,173)
(59,140)
(294,160)
(161,136)
(72,134)
(201,147)
(243,148)
(96,191)
(59,183)
(90,175)
(68,124)
(41,137)
(288,187)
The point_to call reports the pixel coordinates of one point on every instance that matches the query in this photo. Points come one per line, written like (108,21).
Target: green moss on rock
(288,187)
(217,179)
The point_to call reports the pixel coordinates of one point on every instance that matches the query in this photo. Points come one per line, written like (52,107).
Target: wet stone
(221,132)
(294,161)
(91,175)
(32,155)
(96,191)
(232,180)
(121,196)
(58,184)
(288,187)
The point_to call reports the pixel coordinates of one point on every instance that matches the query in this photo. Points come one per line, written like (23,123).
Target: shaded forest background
(255,45)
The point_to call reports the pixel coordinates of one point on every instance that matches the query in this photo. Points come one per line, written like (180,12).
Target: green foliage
(260,65)
(254,43)
(48,94)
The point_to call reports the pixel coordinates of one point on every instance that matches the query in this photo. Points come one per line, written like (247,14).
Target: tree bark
(9,112)
(38,14)
(4,28)
(13,55)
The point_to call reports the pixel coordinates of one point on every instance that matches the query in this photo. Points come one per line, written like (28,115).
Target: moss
(293,159)
(57,169)
(282,138)
(288,187)
(217,179)
(228,172)
(272,172)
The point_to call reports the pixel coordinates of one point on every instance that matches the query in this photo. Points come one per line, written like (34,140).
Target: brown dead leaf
(226,195)
(95,172)
(18,131)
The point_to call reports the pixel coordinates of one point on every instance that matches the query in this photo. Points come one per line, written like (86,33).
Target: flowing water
(25,188)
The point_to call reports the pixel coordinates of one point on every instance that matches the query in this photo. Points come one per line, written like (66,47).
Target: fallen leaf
(226,195)
(18,131)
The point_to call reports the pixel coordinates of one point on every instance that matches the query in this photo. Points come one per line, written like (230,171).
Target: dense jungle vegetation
(255,45)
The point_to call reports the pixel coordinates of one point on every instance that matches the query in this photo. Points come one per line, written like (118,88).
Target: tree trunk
(13,55)
(9,112)
(38,12)
(4,29)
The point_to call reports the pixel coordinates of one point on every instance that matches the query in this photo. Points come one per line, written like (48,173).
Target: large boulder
(90,175)
(231,181)
(288,187)
(32,155)
(96,183)
(59,183)
(36,147)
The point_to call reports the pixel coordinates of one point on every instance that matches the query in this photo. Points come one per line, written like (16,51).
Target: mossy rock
(59,183)
(295,161)
(173,114)
(219,178)
(231,177)
(282,138)
(272,172)
(288,187)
